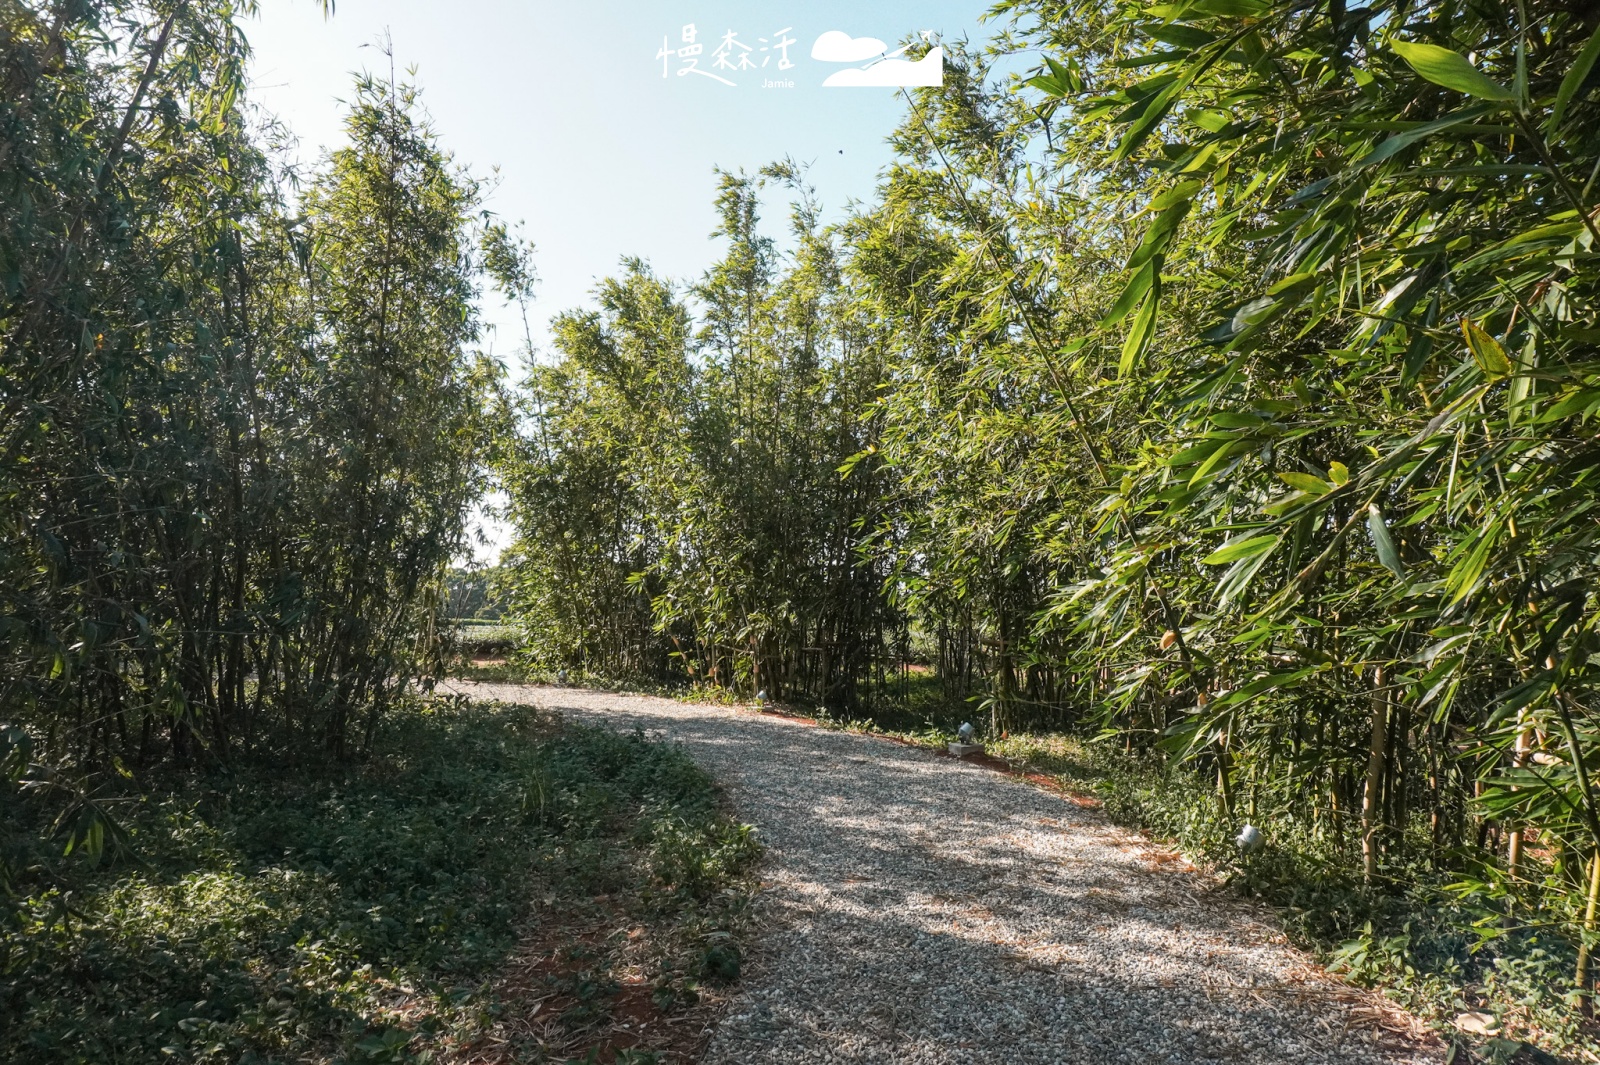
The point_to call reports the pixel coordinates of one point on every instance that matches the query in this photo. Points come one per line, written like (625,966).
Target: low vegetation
(421,906)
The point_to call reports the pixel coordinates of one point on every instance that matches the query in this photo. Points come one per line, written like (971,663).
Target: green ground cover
(369,914)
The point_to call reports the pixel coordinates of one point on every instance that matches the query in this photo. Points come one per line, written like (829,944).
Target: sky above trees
(599,154)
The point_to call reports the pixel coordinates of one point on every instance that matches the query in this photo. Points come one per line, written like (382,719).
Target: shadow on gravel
(927,911)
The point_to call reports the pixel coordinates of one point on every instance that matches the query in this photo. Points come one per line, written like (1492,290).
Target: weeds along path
(927,911)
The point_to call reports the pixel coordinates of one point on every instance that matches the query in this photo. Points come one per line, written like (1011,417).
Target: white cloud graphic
(836,46)
(927,72)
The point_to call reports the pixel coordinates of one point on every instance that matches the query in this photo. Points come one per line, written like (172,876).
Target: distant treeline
(473,593)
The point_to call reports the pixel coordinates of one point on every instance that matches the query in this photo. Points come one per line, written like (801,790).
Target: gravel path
(929,911)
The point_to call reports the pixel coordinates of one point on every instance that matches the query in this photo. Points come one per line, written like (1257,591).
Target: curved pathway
(929,911)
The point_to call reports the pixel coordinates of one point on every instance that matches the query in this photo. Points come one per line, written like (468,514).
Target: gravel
(924,910)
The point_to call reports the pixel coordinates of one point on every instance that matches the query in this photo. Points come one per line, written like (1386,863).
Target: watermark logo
(873,65)
(731,56)
(885,70)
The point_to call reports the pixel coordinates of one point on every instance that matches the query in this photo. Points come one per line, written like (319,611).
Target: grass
(491,672)
(477,638)
(485,627)
(500,671)
(411,909)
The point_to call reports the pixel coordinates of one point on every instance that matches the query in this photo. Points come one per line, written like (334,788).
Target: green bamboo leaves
(1143,289)
(1382,542)
(1144,323)
(694,490)
(1451,70)
(1152,103)
(287,396)
(1486,350)
(1573,82)
(1349,438)
(1249,547)
(1061,79)
(1305,482)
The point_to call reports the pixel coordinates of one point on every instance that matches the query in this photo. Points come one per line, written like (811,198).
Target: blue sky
(598,153)
(564,107)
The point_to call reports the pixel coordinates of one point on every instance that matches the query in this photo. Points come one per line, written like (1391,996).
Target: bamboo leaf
(1132,293)
(1066,75)
(1216,459)
(1047,84)
(1190,37)
(1402,140)
(1249,548)
(1182,192)
(1463,578)
(1159,234)
(1388,553)
(1573,81)
(1199,452)
(1144,327)
(1231,419)
(1306,483)
(1486,350)
(1230,8)
(1451,70)
(1147,117)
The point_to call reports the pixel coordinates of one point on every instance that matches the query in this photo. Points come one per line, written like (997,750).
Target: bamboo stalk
(1519,758)
(1378,755)
(1581,979)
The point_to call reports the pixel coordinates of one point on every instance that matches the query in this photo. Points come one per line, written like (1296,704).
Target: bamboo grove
(243,420)
(1219,376)
(678,494)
